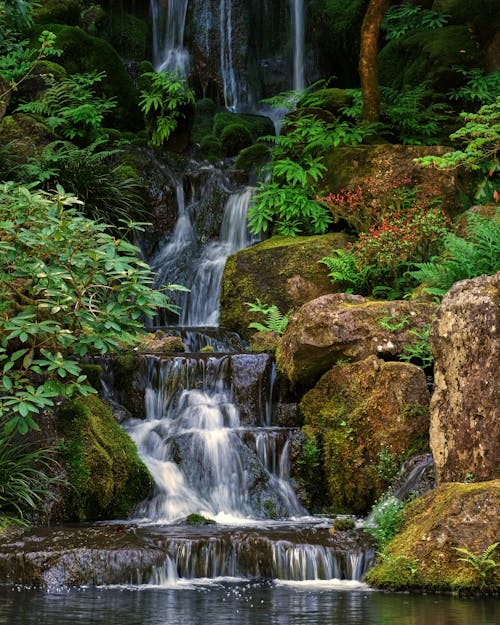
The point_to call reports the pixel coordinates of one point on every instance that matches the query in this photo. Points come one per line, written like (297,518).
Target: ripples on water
(225,603)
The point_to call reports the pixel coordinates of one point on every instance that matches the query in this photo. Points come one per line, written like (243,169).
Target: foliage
(418,350)
(388,465)
(71,108)
(275,321)
(478,87)
(409,230)
(163,103)
(386,518)
(481,136)
(401,19)
(24,481)
(463,258)
(109,190)
(287,203)
(411,115)
(68,288)
(235,137)
(343,524)
(484,564)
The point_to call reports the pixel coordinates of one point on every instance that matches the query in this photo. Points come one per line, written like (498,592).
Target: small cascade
(169,19)
(195,446)
(202,308)
(298,28)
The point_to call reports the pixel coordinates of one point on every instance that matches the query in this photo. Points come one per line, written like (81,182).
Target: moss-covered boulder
(339,326)
(233,138)
(84,53)
(106,477)
(465,340)
(23,137)
(257,125)
(282,270)
(362,415)
(424,556)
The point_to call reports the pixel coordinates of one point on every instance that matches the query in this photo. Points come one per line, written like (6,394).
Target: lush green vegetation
(275,320)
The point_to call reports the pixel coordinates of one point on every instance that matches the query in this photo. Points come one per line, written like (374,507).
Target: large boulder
(465,340)
(424,555)
(282,270)
(365,416)
(339,326)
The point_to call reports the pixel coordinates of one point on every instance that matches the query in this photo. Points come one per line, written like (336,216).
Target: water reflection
(239,604)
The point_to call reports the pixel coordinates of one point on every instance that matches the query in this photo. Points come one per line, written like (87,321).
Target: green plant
(71,108)
(479,87)
(343,524)
(401,19)
(67,288)
(419,350)
(388,465)
(481,136)
(385,520)
(109,190)
(163,103)
(394,323)
(24,477)
(275,321)
(484,564)
(287,203)
(463,258)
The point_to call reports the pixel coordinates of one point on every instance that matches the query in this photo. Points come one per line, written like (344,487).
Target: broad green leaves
(67,289)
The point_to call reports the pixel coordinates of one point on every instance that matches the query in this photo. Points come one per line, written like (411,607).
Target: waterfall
(169,19)
(193,443)
(297,15)
(230,85)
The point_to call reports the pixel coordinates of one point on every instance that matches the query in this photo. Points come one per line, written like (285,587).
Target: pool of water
(240,603)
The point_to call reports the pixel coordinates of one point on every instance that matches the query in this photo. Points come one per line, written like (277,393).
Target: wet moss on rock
(423,556)
(106,476)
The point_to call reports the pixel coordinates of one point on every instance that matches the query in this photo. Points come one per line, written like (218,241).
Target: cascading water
(298,28)
(230,84)
(169,19)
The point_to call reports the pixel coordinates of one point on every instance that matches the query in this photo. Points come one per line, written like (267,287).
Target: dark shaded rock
(424,557)
(282,270)
(358,414)
(341,326)
(465,406)
(251,375)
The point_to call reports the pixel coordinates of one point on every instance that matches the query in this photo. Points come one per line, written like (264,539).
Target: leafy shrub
(67,289)
(71,108)
(401,19)
(385,520)
(164,104)
(276,321)
(478,86)
(234,138)
(418,351)
(109,190)
(462,258)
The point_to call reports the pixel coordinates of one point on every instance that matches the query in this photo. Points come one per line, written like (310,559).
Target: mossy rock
(58,12)
(359,412)
(83,53)
(22,137)
(235,137)
(210,147)
(482,16)
(282,270)
(106,476)
(424,556)
(427,56)
(203,122)
(127,34)
(257,125)
(253,157)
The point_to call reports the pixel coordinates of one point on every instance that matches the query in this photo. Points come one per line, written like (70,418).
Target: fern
(275,321)
(344,272)
(463,259)
(404,18)
(479,87)
(484,563)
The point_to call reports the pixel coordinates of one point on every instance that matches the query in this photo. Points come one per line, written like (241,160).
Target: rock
(161,342)
(423,556)
(341,326)
(251,375)
(282,270)
(359,414)
(465,340)
(106,477)
(264,342)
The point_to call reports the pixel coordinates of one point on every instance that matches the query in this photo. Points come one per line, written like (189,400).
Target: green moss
(84,53)
(128,35)
(423,555)
(57,11)
(235,137)
(198,519)
(106,477)
(210,147)
(253,157)
(203,122)
(93,373)
(257,125)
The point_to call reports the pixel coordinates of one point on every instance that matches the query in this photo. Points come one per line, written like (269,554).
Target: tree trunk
(368,58)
